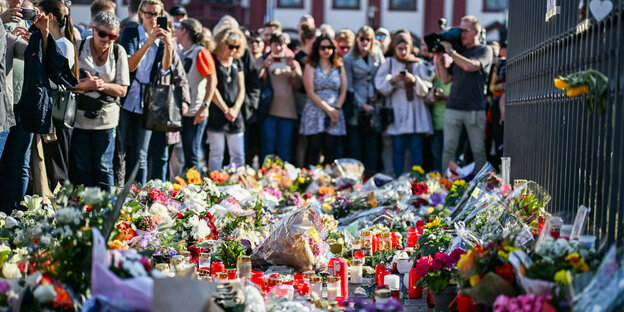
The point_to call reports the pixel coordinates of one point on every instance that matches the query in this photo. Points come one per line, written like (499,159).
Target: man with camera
(466,102)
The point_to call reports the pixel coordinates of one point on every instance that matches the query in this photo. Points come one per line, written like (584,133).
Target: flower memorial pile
(293,239)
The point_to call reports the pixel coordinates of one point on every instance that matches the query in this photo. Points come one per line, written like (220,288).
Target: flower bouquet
(437,273)
(484,272)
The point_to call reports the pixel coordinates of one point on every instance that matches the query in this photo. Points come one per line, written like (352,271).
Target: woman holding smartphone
(225,122)
(150,48)
(400,79)
(322,120)
(285,76)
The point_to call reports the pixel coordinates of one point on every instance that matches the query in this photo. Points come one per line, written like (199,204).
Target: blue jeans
(367,154)
(14,167)
(91,155)
(159,156)
(134,142)
(191,141)
(400,143)
(437,147)
(277,135)
(3,137)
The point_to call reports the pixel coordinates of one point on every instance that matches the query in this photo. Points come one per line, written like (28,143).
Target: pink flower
(423,265)
(456,253)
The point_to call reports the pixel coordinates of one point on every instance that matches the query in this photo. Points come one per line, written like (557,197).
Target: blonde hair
(230,35)
(472,20)
(152,2)
(345,35)
(365,31)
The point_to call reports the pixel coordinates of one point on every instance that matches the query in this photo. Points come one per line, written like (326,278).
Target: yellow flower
(300,180)
(430,210)
(314,235)
(563,277)
(418,169)
(433,223)
(506,251)
(464,260)
(193,176)
(459,183)
(326,207)
(434,175)
(561,84)
(474,280)
(117,244)
(572,92)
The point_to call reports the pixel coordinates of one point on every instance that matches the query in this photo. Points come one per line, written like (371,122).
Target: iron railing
(552,139)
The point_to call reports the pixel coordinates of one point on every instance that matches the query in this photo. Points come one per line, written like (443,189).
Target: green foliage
(228,252)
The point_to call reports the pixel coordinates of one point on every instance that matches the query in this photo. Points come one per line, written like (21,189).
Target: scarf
(409,86)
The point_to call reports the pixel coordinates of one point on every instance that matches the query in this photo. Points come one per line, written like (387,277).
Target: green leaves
(588,81)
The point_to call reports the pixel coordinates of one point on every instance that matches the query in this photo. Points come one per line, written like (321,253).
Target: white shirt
(133,99)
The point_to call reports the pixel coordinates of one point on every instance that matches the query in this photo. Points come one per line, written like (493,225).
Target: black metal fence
(552,139)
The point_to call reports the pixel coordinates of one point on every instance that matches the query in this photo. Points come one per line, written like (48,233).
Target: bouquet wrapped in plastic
(294,241)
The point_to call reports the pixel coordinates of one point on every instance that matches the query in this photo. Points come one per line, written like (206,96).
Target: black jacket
(35,105)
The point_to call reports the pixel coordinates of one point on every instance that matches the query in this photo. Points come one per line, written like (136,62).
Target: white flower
(200,231)
(45,240)
(68,215)
(11,271)
(45,293)
(10,222)
(32,202)
(92,195)
(4,247)
(17,214)
(192,222)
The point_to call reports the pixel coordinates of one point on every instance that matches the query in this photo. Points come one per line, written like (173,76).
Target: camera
(452,35)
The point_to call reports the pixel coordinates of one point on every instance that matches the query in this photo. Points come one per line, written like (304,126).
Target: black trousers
(322,142)
(56,155)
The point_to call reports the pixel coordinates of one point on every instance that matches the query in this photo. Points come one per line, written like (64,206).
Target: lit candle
(333,288)
(356,271)
(392,281)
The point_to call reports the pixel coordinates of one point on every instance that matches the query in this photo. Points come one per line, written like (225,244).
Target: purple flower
(4,287)
(437,199)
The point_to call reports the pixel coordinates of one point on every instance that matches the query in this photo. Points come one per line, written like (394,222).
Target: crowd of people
(371,95)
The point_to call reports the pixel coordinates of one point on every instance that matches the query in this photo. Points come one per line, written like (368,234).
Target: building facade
(418,16)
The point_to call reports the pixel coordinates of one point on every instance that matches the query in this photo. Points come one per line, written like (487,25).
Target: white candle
(392,281)
(332,293)
(356,271)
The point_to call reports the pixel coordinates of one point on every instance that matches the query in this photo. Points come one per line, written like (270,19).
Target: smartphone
(28,14)
(161,21)
(403,72)
(279,62)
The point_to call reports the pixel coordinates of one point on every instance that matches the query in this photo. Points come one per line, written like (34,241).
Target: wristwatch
(451,51)
(205,105)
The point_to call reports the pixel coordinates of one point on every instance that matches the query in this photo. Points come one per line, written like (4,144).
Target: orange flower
(219,177)
(287,182)
(324,190)
(372,200)
(445,183)
(181,182)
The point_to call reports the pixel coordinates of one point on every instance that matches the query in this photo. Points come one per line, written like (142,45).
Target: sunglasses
(380,37)
(150,14)
(465,30)
(326,47)
(344,48)
(233,47)
(103,34)
(365,39)
(256,41)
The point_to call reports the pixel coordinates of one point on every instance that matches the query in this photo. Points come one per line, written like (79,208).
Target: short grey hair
(106,19)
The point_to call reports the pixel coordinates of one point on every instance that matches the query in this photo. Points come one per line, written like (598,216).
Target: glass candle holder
(385,241)
(356,271)
(243,267)
(366,242)
(204,261)
(333,288)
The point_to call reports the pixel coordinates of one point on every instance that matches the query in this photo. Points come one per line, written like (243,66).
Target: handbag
(64,105)
(162,109)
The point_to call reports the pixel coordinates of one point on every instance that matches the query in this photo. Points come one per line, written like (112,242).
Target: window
(346,4)
(494,5)
(290,3)
(403,5)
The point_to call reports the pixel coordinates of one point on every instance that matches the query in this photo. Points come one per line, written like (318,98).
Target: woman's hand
(165,36)
(184,108)
(409,77)
(333,114)
(42,22)
(367,108)
(397,78)
(11,16)
(232,113)
(201,115)
(21,32)
(90,83)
